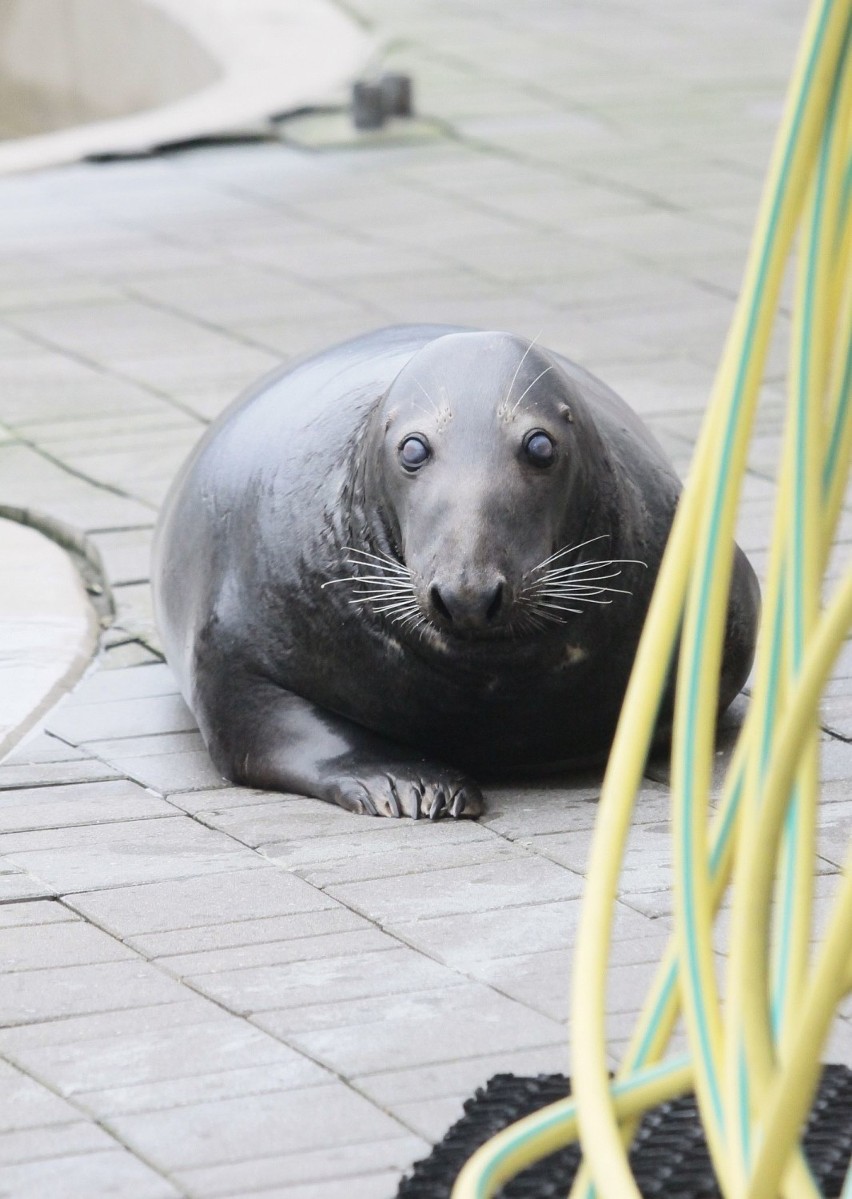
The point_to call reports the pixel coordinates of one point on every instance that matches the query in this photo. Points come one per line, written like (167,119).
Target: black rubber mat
(669,1156)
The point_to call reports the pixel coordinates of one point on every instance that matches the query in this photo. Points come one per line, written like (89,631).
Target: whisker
(568,549)
(517,403)
(518,369)
(436,411)
(384,559)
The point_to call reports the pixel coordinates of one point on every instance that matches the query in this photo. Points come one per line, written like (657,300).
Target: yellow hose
(768,1035)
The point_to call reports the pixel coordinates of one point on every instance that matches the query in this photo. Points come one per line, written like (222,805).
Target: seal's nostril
(496,602)
(439,605)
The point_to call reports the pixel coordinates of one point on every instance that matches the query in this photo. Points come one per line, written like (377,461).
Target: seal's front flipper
(263,736)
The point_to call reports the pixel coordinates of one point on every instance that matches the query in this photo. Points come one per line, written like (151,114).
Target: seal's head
(479,479)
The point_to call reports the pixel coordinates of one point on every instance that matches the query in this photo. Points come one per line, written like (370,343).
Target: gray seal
(419,558)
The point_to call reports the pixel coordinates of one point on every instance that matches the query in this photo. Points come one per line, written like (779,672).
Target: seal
(418,558)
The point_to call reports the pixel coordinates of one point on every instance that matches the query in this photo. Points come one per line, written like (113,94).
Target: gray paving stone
(391,857)
(365,1186)
(501,932)
(165,1054)
(399,849)
(284,823)
(17,885)
(647,863)
(459,891)
(215,800)
(36,911)
(61,943)
(430,1118)
(132,682)
(126,554)
(114,1172)
(41,1144)
(381,970)
(412,1028)
(231,1131)
(333,1164)
(242,936)
(72,804)
(124,853)
(362,939)
(80,990)
(188,769)
(139,716)
(25,1103)
(240,893)
(440,1080)
(39,749)
(79,770)
(186,1008)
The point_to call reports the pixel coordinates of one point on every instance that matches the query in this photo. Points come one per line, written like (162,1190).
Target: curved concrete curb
(48,629)
(265,57)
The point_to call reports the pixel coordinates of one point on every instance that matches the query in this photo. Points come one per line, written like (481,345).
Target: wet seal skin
(417,559)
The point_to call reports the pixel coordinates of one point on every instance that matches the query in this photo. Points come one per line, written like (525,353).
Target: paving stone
(120,854)
(647,863)
(25,1103)
(365,1186)
(215,800)
(77,804)
(243,935)
(280,822)
(118,718)
(40,1144)
(126,554)
(46,774)
(441,1080)
(39,749)
(501,932)
(459,891)
(164,769)
(395,857)
(230,1131)
(360,1036)
(165,1054)
(17,885)
(430,1118)
(60,943)
(382,970)
(132,682)
(270,955)
(114,1172)
(36,911)
(73,990)
(324,1167)
(185,1008)
(238,894)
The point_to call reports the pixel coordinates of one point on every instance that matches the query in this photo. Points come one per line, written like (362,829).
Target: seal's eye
(539,448)
(413,452)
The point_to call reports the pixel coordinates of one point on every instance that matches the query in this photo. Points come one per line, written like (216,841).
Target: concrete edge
(49,625)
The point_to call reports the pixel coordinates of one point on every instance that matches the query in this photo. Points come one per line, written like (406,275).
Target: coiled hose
(754,1062)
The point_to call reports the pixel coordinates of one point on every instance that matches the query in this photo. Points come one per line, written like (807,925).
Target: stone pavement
(211,991)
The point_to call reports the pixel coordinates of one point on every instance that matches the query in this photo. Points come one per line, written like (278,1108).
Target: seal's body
(424,552)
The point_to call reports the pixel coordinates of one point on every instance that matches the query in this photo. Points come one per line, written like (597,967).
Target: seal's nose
(469,606)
